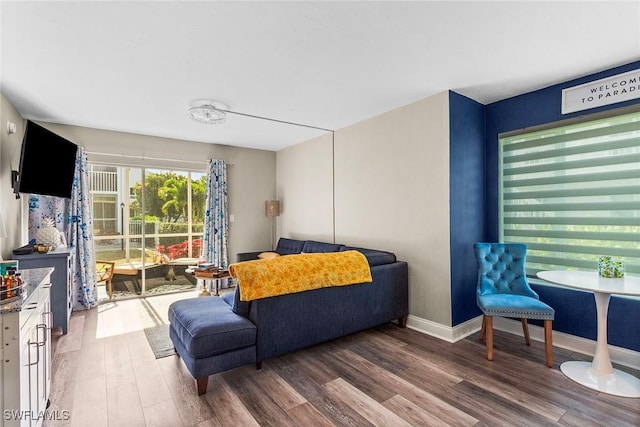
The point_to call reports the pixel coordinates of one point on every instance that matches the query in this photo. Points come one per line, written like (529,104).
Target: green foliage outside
(166,228)
(147,218)
(166,202)
(166,197)
(119,257)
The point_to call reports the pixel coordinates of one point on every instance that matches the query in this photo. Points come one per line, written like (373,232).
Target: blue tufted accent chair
(503,291)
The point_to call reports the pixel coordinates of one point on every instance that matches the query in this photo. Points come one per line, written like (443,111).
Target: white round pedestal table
(598,374)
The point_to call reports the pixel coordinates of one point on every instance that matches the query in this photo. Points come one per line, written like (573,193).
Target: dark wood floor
(105,374)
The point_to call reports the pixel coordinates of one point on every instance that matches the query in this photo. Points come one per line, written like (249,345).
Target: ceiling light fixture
(208,113)
(215,113)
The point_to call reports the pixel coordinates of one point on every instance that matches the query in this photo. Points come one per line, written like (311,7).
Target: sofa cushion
(311,247)
(207,326)
(374,256)
(289,246)
(237,306)
(247,256)
(229,298)
(268,255)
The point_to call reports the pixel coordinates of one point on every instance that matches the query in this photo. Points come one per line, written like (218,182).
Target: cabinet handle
(31,306)
(50,314)
(37,354)
(44,340)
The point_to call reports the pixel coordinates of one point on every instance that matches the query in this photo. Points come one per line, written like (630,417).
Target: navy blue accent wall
(575,310)
(531,109)
(467,198)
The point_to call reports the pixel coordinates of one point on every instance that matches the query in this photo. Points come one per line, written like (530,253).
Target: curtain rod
(130,156)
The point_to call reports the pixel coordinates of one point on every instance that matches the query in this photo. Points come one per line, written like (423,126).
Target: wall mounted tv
(47,163)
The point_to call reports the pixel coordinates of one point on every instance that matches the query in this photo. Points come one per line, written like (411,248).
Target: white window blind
(572,193)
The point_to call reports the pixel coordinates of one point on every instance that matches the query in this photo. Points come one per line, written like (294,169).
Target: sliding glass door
(150,222)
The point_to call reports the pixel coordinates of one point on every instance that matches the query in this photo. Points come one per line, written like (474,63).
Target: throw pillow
(268,255)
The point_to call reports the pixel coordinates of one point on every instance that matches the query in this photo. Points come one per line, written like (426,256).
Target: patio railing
(103,181)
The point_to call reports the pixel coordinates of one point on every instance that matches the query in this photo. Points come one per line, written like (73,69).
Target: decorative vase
(610,268)
(48,234)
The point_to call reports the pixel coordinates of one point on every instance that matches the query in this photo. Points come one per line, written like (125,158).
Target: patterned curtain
(81,234)
(41,207)
(73,217)
(216,222)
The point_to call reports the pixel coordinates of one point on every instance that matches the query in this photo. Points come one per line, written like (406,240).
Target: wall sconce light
(272,210)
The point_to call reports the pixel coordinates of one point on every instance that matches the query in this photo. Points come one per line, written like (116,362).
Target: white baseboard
(443,332)
(622,356)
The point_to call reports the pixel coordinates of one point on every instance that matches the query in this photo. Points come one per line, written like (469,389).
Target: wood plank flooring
(104,374)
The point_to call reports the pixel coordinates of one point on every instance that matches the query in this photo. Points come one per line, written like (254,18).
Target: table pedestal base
(619,383)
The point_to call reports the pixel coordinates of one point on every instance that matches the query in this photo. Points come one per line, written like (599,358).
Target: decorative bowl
(42,249)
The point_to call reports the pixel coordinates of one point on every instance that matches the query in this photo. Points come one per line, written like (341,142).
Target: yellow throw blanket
(296,273)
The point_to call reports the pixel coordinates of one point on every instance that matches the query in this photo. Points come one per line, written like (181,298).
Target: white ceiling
(138,66)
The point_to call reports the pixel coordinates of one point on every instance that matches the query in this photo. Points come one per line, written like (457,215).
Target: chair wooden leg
(109,289)
(489,332)
(548,343)
(525,330)
(483,329)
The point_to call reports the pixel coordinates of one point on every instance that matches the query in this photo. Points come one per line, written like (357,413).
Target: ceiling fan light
(207,114)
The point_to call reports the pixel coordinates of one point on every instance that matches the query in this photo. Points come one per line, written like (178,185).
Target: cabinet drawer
(27,328)
(28,314)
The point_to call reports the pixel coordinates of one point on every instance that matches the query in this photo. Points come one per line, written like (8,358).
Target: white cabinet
(25,374)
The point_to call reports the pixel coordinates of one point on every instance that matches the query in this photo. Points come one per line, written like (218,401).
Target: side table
(214,276)
(599,374)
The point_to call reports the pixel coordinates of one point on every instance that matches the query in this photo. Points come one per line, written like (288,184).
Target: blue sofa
(212,335)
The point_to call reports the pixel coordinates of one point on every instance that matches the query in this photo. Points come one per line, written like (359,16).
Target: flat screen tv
(47,163)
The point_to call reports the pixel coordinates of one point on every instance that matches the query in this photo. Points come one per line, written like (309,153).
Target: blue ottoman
(210,338)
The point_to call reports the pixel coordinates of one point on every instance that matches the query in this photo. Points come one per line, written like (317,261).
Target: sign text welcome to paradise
(618,88)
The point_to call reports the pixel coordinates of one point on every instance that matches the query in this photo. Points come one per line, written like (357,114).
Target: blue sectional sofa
(212,334)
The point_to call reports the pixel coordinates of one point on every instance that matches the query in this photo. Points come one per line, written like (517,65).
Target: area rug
(158,339)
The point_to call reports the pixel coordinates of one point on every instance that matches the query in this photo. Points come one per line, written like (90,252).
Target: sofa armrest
(248,256)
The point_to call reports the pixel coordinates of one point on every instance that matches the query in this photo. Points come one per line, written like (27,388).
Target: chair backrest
(104,271)
(501,269)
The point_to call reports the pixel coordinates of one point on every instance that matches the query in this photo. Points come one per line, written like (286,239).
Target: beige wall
(391,193)
(251,174)
(13,210)
(305,190)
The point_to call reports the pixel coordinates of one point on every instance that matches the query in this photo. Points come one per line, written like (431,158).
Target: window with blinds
(572,193)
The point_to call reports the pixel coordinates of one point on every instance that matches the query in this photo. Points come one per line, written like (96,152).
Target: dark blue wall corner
(575,310)
(467,198)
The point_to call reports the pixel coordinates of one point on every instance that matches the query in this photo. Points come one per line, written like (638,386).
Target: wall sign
(618,88)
